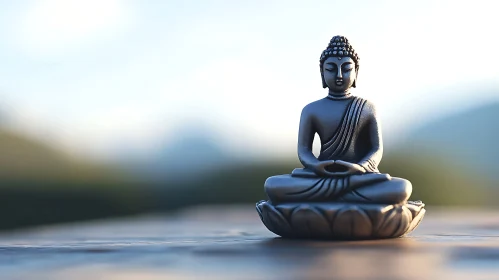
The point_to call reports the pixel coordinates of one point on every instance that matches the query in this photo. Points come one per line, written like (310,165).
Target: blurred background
(120,107)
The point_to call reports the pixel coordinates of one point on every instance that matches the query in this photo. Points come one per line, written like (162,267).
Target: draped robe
(357,140)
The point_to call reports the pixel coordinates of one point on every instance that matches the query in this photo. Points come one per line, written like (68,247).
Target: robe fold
(340,142)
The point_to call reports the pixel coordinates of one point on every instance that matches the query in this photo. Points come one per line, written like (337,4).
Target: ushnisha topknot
(338,47)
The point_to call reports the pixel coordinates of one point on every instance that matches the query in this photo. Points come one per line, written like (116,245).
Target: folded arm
(306,135)
(372,159)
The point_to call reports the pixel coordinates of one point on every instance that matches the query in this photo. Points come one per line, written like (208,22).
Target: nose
(339,75)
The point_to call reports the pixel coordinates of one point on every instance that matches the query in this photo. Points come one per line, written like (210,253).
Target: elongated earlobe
(324,85)
(356,74)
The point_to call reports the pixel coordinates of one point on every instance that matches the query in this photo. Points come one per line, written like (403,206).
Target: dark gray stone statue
(340,194)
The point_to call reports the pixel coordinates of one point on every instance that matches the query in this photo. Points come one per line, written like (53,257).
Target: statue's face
(339,73)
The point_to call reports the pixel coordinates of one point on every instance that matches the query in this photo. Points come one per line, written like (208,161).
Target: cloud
(51,27)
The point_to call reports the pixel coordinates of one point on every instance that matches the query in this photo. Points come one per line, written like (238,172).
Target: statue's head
(339,65)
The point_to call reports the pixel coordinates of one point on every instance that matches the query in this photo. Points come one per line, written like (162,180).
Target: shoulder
(310,108)
(368,107)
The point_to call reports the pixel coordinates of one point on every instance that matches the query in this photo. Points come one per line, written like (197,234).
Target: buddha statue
(340,193)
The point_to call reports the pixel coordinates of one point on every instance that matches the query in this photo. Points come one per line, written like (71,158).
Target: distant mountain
(191,150)
(470,137)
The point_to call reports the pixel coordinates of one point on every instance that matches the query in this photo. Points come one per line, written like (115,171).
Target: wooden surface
(231,243)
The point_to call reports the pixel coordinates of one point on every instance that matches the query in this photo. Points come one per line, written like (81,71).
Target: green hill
(39,184)
(22,158)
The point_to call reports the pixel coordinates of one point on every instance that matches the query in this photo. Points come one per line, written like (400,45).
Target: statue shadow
(400,244)
(309,257)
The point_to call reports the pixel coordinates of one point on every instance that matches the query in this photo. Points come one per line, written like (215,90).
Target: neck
(339,95)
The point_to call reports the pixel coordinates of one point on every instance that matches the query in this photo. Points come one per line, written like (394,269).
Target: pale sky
(99,77)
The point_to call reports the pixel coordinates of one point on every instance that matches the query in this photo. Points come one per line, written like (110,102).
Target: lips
(339,82)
